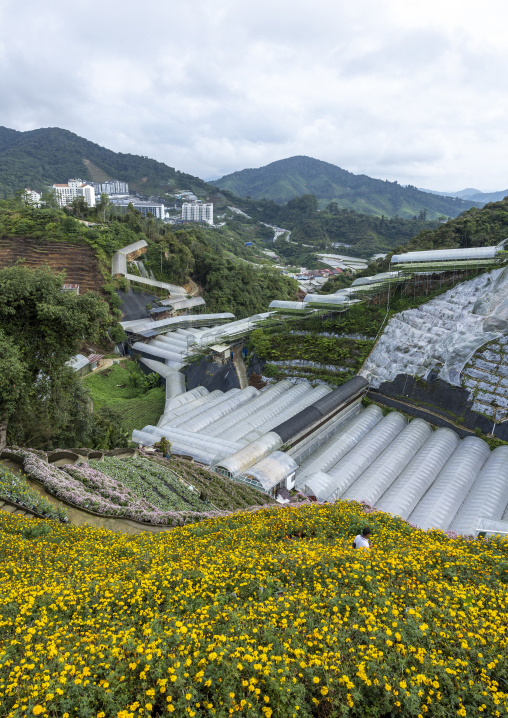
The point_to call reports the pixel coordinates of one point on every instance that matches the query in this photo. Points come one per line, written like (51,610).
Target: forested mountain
(364,234)
(285,179)
(40,157)
(475,228)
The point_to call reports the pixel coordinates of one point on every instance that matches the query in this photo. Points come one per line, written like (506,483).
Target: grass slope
(268,614)
(285,179)
(109,388)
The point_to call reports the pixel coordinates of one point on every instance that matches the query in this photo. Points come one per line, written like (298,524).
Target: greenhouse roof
(442,255)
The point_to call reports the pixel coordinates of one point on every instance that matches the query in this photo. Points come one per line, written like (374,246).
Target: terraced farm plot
(77,260)
(152,482)
(109,388)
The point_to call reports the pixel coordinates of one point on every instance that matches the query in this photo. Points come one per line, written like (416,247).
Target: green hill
(475,228)
(40,157)
(283,180)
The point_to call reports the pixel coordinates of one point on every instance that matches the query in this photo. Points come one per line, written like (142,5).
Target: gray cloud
(391,89)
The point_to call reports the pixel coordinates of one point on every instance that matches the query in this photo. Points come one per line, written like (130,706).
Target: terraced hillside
(77,260)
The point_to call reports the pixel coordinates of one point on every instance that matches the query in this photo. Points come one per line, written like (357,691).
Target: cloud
(397,90)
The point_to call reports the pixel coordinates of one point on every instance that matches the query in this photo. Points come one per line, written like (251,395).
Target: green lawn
(110,388)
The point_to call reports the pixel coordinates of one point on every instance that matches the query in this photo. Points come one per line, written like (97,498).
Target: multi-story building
(65,193)
(110,187)
(197,212)
(155,208)
(32,197)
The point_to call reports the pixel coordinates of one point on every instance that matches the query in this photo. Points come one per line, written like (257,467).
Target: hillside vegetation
(269,614)
(475,228)
(295,176)
(41,157)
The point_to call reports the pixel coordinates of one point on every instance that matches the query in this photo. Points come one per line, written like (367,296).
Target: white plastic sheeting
(263,414)
(385,469)
(160,354)
(348,469)
(443,333)
(157,366)
(267,396)
(200,407)
(136,326)
(175,384)
(442,255)
(272,470)
(188,410)
(288,305)
(233,401)
(488,496)
(183,399)
(338,446)
(439,505)
(308,399)
(339,299)
(408,488)
(247,456)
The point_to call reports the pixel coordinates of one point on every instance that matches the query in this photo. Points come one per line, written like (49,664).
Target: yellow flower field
(264,614)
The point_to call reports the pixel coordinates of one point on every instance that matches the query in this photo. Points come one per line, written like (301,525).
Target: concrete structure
(157,209)
(110,187)
(197,212)
(65,193)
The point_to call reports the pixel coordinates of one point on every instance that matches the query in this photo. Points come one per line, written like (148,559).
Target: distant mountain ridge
(471,194)
(38,158)
(286,179)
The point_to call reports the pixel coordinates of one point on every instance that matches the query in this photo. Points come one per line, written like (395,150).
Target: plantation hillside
(147,489)
(269,613)
(286,179)
(41,157)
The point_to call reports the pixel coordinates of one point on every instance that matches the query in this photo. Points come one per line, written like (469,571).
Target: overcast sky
(396,89)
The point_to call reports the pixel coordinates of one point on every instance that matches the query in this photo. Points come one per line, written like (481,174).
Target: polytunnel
(385,469)
(214,447)
(176,408)
(175,385)
(161,355)
(157,367)
(338,446)
(488,496)
(273,422)
(238,463)
(272,470)
(439,505)
(232,402)
(188,409)
(363,454)
(184,399)
(213,399)
(408,488)
(171,351)
(204,457)
(267,396)
(263,414)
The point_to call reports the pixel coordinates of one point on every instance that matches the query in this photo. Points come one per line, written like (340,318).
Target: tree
(42,328)
(12,379)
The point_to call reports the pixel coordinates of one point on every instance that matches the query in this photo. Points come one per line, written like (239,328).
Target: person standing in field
(362,540)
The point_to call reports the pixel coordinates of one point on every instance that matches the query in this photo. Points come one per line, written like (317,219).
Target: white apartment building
(32,197)
(110,187)
(65,193)
(197,212)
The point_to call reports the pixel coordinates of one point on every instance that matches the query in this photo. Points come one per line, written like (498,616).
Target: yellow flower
(315,679)
(37,710)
